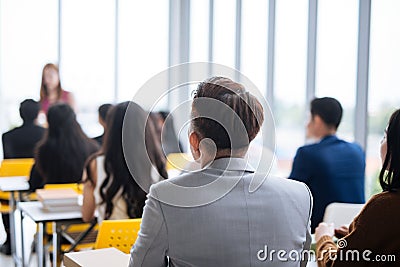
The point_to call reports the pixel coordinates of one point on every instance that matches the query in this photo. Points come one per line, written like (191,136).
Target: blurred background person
(167,135)
(21,141)
(62,153)
(103,111)
(110,186)
(51,91)
(332,168)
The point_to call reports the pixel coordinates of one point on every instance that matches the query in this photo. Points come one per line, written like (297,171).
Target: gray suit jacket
(224,224)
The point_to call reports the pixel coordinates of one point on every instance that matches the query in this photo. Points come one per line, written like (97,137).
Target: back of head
(225,112)
(65,148)
(390,173)
(328,109)
(29,110)
(62,121)
(103,111)
(169,139)
(122,169)
(132,131)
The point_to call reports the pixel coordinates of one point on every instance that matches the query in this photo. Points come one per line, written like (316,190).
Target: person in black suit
(21,141)
(103,110)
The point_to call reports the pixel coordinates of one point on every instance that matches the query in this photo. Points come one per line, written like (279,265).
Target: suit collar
(231,164)
(327,138)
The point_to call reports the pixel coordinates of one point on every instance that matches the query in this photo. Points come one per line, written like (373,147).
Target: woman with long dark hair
(111,177)
(374,233)
(61,155)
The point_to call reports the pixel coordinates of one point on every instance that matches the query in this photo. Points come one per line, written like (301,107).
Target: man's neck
(225,153)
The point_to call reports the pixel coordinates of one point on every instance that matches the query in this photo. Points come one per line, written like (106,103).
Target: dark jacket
(334,171)
(20,142)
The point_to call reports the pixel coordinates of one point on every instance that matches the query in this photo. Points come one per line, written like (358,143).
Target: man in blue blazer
(332,168)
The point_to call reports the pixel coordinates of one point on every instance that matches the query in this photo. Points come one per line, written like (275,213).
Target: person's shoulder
(286,183)
(308,150)
(312,146)
(38,129)
(297,190)
(380,205)
(384,197)
(349,144)
(8,133)
(11,132)
(180,180)
(65,92)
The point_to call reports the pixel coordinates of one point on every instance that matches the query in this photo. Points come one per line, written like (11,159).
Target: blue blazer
(334,171)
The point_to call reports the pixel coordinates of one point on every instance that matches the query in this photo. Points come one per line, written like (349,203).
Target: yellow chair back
(16,167)
(177,161)
(120,234)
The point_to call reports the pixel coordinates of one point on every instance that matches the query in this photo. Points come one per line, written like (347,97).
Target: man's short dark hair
(328,109)
(103,110)
(224,133)
(29,110)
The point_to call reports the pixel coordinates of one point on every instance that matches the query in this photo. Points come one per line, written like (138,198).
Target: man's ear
(194,141)
(318,121)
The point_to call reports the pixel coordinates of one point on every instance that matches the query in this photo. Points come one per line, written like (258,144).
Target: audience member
(332,168)
(166,132)
(110,186)
(195,220)
(61,154)
(51,91)
(20,142)
(103,111)
(374,233)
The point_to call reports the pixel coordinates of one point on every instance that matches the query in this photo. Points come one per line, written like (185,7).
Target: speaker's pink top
(45,104)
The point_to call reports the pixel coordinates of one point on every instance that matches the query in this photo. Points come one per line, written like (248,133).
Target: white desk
(41,216)
(95,258)
(14,184)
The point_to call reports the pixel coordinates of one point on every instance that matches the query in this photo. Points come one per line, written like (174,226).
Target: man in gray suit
(224,214)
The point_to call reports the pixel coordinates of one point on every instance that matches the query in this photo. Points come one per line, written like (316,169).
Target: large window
(224,32)
(290,79)
(28,40)
(87,56)
(254,42)
(384,82)
(109,49)
(337,57)
(199,31)
(143,44)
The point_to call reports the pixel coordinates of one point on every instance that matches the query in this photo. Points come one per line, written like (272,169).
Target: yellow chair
(120,234)
(16,167)
(13,167)
(177,161)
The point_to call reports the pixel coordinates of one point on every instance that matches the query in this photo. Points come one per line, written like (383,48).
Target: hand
(324,229)
(342,231)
